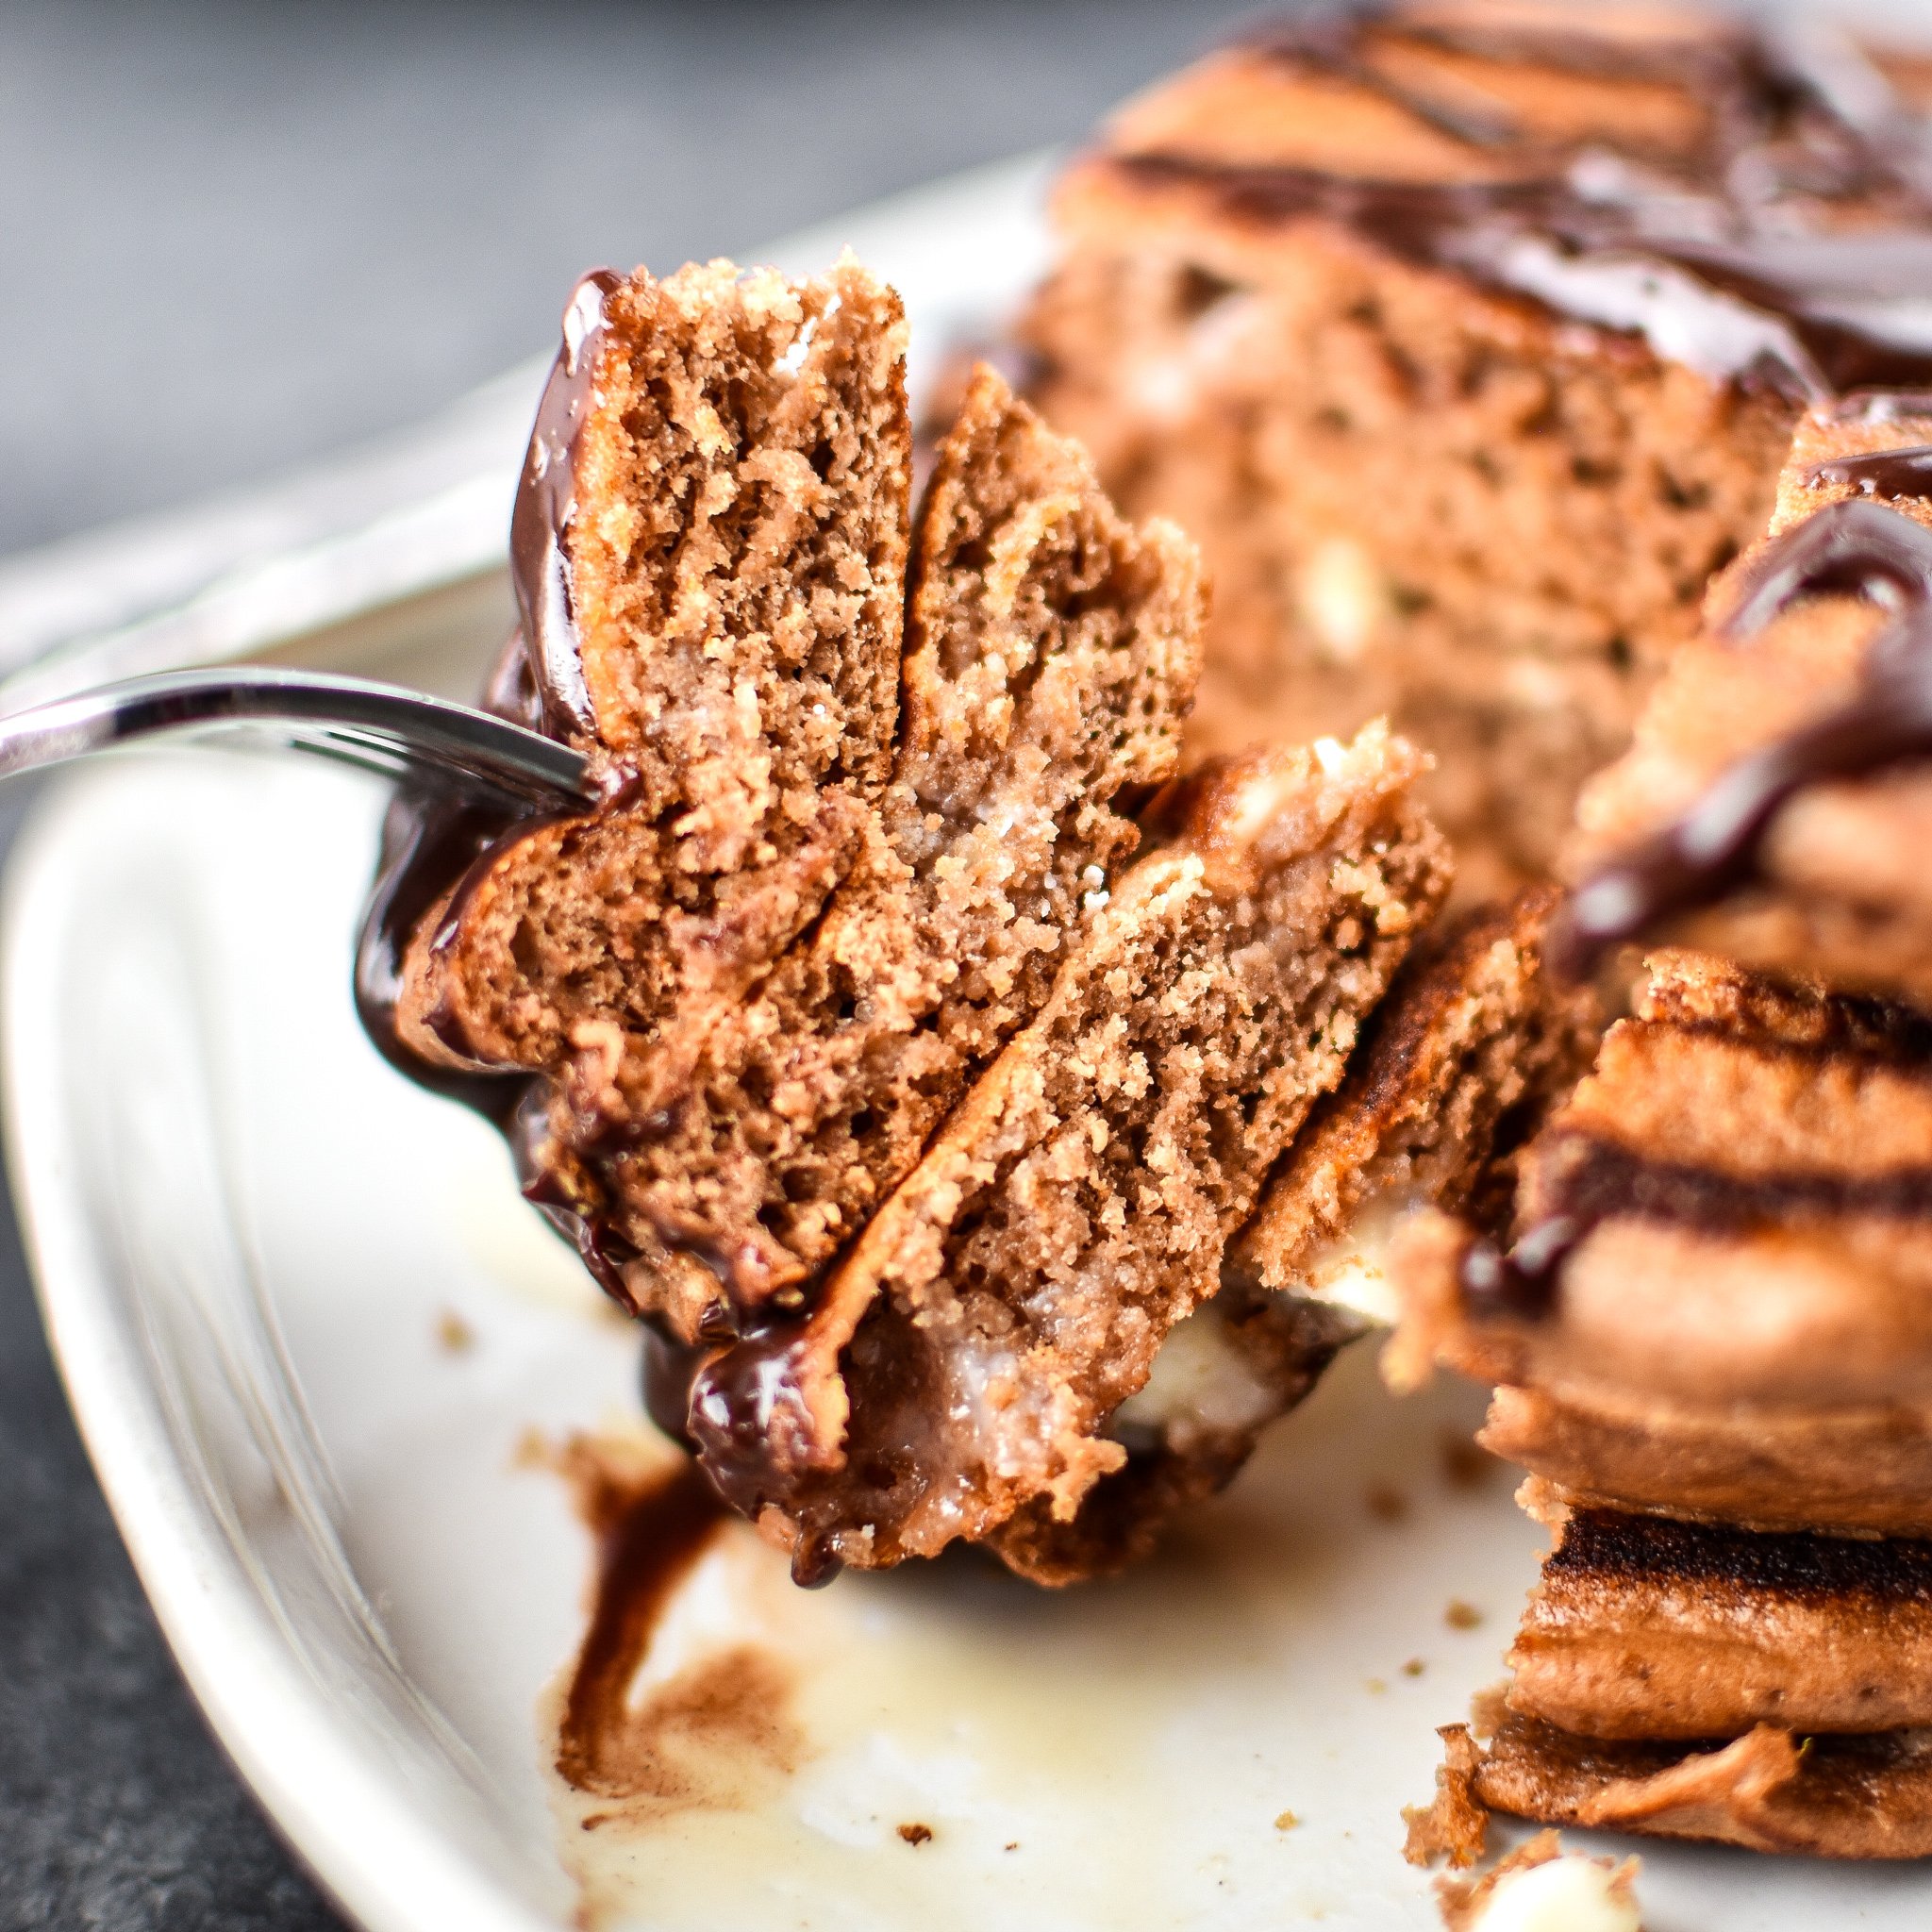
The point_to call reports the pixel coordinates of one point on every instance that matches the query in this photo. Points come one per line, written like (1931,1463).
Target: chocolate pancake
(1865,1469)
(963,1363)
(1830,1797)
(1724,1214)
(709,558)
(1050,656)
(855,1054)
(1645,1627)
(1474,1043)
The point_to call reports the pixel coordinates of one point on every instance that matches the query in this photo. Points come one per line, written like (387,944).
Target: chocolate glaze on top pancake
(1736,239)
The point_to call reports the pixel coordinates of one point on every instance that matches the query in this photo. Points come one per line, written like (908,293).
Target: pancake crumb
(1454,1824)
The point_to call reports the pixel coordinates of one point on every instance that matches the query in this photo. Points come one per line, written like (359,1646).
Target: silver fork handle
(380,727)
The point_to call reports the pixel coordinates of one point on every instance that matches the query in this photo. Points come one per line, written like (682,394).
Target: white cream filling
(1568,1895)
(1351,1271)
(1200,1382)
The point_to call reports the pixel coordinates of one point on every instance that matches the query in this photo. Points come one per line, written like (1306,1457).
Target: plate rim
(350,1823)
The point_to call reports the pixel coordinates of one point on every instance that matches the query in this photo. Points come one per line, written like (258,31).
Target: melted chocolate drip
(1332,42)
(435,833)
(1525,1280)
(436,840)
(1589,1178)
(426,840)
(604,1252)
(1886,473)
(726,1403)
(546,499)
(669,1369)
(743,1398)
(720,1400)
(1716,846)
(1741,280)
(1850,549)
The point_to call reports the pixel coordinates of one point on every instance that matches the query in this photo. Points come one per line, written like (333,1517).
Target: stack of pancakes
(1466,336)
(1712,1334)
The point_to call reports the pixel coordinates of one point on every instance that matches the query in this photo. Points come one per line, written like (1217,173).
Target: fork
(380,727)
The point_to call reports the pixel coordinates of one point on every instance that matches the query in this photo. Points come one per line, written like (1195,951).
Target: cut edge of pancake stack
(1711,1340)
(899,1037)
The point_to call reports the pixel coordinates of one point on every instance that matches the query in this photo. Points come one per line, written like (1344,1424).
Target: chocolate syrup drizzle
(1741,283)
(436,837)
(1790,249)
(546,500)
(1854,547)
(1889,474)
(1759,278)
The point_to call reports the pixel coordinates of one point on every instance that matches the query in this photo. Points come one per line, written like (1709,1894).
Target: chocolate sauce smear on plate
(648,1541)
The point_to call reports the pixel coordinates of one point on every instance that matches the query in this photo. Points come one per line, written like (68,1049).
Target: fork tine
(381,728)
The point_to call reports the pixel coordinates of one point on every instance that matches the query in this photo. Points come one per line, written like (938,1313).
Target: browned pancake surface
(1645,1627)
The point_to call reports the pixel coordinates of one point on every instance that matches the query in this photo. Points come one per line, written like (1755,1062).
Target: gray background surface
(238,237)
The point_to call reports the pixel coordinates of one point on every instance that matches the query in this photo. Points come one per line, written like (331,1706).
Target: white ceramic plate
(257,1246)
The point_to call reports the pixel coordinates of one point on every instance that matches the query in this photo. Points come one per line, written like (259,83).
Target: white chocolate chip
(1345,598)
(1568,1895)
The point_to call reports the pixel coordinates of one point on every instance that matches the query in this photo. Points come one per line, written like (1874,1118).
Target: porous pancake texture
(732,592)
(1051,653)
(964,1360)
